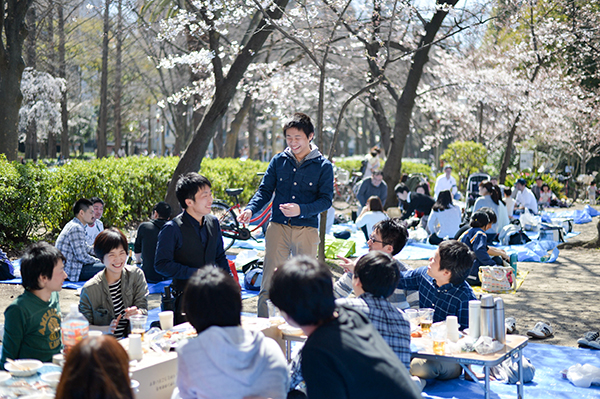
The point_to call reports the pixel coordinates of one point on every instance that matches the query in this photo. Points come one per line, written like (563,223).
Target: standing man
(93,229)
(525,198)
(302,180)
(446,182)
(192,239)
(370,186)
(147,238)
(80,264)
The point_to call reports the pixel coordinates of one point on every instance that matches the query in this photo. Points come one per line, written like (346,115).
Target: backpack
(253,274)
(513,235)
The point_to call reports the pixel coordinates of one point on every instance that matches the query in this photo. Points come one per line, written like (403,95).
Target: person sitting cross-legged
(344,356)
(225,360)
(442,287)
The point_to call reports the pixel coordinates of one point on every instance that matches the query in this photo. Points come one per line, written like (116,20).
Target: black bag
(5,272)
(518,238)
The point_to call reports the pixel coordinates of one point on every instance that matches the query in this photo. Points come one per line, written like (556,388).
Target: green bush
(416,167)
(351,165)
(24,195)
(233,173)
(466,157)
(37,200)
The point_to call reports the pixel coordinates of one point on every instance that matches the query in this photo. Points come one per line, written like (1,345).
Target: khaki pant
(281,242)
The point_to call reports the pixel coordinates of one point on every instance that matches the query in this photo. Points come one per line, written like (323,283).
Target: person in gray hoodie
(224,360)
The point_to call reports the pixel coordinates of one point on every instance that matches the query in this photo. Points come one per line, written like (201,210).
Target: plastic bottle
(167,301)
(474,313)
(75,328)
(499,320)
(487,327)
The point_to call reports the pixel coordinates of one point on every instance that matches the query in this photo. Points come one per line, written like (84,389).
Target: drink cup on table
(439,334)
(426,318)
(166,320)
(412,315)
(135,347)
(138,324)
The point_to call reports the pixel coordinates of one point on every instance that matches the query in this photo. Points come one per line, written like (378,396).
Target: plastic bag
(340,247)
(584,376)
(530,221)
(245,257)
(486,345)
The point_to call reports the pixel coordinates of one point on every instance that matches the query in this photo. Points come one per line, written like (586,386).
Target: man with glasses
(370,186)
(388,236)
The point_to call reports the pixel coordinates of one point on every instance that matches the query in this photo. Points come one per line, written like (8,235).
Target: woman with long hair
(491,197)
(96,368)
(370,215)
(444,220)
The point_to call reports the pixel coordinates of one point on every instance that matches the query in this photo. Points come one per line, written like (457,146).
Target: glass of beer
(138,324)
(426,319)
(438,334)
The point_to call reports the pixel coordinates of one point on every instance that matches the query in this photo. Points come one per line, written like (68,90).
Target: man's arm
(265,190)
(76,238)
(343,287)
(411,279)
(220,258)
(480,248)
(14,330)
(170,239)
(325,194)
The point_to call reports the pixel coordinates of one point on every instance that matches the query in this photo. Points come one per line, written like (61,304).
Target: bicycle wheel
(339,198)
(228,220)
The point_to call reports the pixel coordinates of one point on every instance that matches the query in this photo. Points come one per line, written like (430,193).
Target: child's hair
(393,232)
(545,185)
(302,287)
(375,204)
(212,298)
(457,258)
(378,273)
(490,214)
(38,260)
(108,240)
(479,219)
(507,191)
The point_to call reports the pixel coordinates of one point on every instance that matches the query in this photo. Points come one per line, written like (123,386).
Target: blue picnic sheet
(153,288)
(548,360)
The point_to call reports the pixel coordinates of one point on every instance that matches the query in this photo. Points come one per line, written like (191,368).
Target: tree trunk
(31,142)
(62,73)
(51,140)
(508,150)
(101,151)
(252,133)
(405,105)
(234,128)
(225,88)
(118,83)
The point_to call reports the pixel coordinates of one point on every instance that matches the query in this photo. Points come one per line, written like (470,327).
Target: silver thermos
(499,320)
(486,320)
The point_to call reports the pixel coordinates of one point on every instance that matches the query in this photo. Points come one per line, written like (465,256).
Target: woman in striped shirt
(119,291)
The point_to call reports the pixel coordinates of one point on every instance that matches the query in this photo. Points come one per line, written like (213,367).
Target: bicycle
(343,188)
(230,227)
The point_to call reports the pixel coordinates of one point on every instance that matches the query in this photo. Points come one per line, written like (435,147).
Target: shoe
(591,339)
(511,325)
(541,330)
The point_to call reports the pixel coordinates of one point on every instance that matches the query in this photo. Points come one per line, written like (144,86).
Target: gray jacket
(96,304)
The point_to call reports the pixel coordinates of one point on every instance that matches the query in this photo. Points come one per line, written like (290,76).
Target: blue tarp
(548,360)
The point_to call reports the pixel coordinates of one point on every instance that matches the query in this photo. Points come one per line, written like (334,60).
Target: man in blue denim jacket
(302,180)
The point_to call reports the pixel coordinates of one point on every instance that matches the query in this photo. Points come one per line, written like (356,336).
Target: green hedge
(555,186)
(36,200)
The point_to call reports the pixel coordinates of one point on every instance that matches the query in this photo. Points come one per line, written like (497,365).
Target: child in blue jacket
(476,240)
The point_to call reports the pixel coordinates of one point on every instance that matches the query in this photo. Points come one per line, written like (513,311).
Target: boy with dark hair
(80,265)
(376,276)
(93,229)
(225,360)
(302,180)
(442,287)
(388,236)
(344,356)
(147,238)
(32,321)
(191,240)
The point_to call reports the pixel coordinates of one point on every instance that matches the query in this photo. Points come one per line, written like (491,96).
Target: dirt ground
(563,293)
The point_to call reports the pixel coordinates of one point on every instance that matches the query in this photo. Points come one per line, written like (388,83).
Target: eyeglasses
(372,239)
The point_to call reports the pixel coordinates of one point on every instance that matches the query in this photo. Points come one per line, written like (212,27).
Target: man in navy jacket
(302,180)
